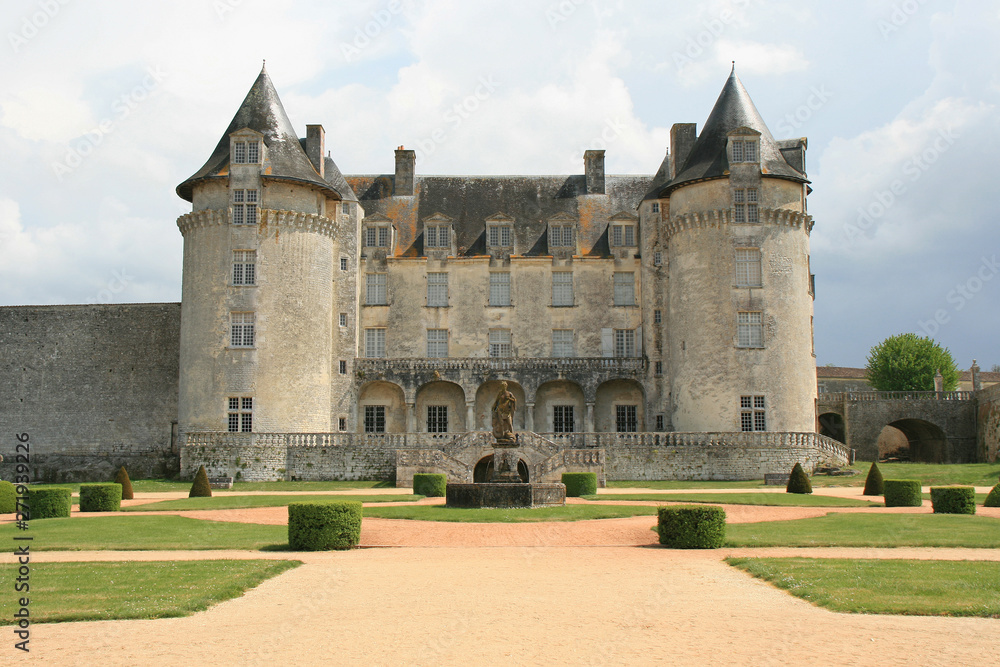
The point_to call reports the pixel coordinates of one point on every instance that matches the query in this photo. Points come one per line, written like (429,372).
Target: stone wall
(988,436)
(94,386)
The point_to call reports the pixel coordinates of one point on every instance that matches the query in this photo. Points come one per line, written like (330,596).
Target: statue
(503,417)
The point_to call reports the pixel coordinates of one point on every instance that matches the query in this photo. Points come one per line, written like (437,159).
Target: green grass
(133,533)
(915,587)
(229,502)
(565,513)
(157,589)
(776,499)
(870,530)
(164,485)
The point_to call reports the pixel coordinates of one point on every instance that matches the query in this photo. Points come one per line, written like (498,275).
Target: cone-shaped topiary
(8,498)
(201,488)
(874,485)
(798,481)
(122,478)
(993,499)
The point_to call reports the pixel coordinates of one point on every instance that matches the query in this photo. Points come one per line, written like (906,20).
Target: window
(245,207)
(343,263)
(562,418)
(562,343)
(375,343)
(500,343)
(623,235)
(744,150)
(241,329)
(376,236)
(437,289)
(244,267)
(345,208)
(343,319)
(375,289)
(749,329)
(748,267)
(561,236)
(499,236)
(745,205)
(246,152)
(659,368)
(240,415)
(625,419)
(657,259)
(437,342)
(624,342)
(499,289)
(659,422)
(624,289)
(562,288)
(657,317)
(342,423)
(656,207)
(437,236)
(752,414)
(343,367)
(374,419)
(437,418)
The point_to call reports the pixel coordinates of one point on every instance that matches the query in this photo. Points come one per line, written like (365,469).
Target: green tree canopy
(907,362)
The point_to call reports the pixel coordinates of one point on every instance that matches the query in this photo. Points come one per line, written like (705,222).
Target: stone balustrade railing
(620,365)
(859,396)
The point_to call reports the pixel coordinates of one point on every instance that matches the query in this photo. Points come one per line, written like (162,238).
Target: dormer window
(745,150)
(437,236)
(376,235)
(623,235)
(500,235)
(246,152)
(561,236)
(656,207)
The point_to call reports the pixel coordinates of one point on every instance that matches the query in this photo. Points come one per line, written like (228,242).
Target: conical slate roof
(262,111)
(708,158)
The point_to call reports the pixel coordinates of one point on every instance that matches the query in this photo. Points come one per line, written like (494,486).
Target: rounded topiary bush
(49,502)
(8,498)
(993,499)
(324,526)
(691,526)
(798,481)
(953,499)
(874,484)
(200,488)
(122,478)
(902,493)
(432,485)
(100,497)
(580,484)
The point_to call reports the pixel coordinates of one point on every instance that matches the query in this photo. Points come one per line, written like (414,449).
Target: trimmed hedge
(902,493)
(798,481)
(49,502)
(691,526)
(324,526)
(432,485)
(580,483)
(874,484)
(8,498)
(200,488)
(100,497)
(993,499)
(953,499)
(122,478)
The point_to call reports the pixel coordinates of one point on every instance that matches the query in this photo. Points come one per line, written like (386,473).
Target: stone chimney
(938,381)
(682,138)
(593,166)
(316,147)
(405,180)
(976,382)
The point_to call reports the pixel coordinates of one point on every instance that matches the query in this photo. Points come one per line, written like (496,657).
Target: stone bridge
(934,426)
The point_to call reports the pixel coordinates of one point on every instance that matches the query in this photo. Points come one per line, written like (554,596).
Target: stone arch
(391,397)
(614,393)
(485,396)
(915,440)
(832,424)
(484,470)
(441,393)
(561,393)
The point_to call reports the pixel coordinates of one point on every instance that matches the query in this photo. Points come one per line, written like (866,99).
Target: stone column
(976,383)
(938,381)
(529,416)
(411,417)
(588,424)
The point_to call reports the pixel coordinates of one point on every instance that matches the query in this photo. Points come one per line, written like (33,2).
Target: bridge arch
(831,424)
(925,442)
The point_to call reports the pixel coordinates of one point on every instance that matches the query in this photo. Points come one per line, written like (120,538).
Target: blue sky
(105,106)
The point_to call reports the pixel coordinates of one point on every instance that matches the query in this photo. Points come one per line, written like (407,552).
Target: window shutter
(607,342)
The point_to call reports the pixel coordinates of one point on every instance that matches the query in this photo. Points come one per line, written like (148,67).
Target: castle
(350,326)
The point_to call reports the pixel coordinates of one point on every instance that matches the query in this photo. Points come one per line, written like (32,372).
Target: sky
(106,105)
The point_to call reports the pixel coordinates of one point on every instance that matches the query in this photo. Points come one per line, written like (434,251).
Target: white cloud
(47,114)
(760,58)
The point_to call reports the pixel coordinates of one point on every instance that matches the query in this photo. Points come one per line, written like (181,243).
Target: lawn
(164,485)
(916,587)
(156,589)
(775,499)
(870,530)
(229,502)
(520,515)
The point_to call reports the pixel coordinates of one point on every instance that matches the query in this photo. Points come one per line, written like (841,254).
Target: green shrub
(122,478)
(324,526)
(100,497)
(432,485)
(953,499)
(798,481)
(200,488)
(902,493)
(993,499)
(580,484)
(8,498)
(874,485)
(691,526)
(49,502)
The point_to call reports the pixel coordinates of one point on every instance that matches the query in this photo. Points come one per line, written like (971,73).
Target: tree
(908,362)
